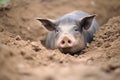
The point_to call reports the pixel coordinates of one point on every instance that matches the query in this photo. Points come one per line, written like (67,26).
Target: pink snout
(66,42)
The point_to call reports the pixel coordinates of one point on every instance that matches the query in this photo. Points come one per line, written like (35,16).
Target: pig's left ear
(49,24)
(86,22)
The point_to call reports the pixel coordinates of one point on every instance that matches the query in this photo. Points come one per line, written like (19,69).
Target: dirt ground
(23,57)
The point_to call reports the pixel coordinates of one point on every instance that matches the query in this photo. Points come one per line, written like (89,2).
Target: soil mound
(23,57)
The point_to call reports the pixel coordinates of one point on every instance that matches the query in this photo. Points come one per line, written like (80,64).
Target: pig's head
(69,33)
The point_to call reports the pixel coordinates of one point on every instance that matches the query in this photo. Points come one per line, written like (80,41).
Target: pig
(71,32)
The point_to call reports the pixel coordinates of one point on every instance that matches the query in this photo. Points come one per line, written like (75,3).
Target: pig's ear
(49,24)
(87,21)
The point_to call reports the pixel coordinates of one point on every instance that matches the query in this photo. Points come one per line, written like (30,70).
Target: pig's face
(69,34)
(69,38)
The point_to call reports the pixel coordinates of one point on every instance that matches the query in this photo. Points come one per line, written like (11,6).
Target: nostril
(69,41)
(62,42)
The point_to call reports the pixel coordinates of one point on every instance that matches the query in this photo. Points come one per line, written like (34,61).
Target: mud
(24,57)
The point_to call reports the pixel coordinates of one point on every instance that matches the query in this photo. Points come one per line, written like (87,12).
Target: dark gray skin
(71,32)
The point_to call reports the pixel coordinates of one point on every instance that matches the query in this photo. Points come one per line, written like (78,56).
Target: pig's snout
(66,42)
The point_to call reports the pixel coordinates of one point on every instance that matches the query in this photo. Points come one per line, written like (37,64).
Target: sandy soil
(23,56)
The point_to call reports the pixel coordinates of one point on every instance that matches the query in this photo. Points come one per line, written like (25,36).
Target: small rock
(18,37)
(1,29)
(35,46)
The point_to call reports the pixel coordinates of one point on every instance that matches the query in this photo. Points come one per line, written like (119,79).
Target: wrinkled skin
(71,32)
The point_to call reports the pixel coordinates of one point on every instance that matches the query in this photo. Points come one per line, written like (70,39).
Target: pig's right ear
(48,23)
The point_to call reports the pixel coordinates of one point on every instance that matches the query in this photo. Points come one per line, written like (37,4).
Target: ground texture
(23,56)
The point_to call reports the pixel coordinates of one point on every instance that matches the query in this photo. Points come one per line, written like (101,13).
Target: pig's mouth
(71,50)
(65,50)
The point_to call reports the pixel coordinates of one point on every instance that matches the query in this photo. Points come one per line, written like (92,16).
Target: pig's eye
(56,30)
(76,29)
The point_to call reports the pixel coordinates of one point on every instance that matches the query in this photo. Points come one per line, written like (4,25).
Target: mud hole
(23,57)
